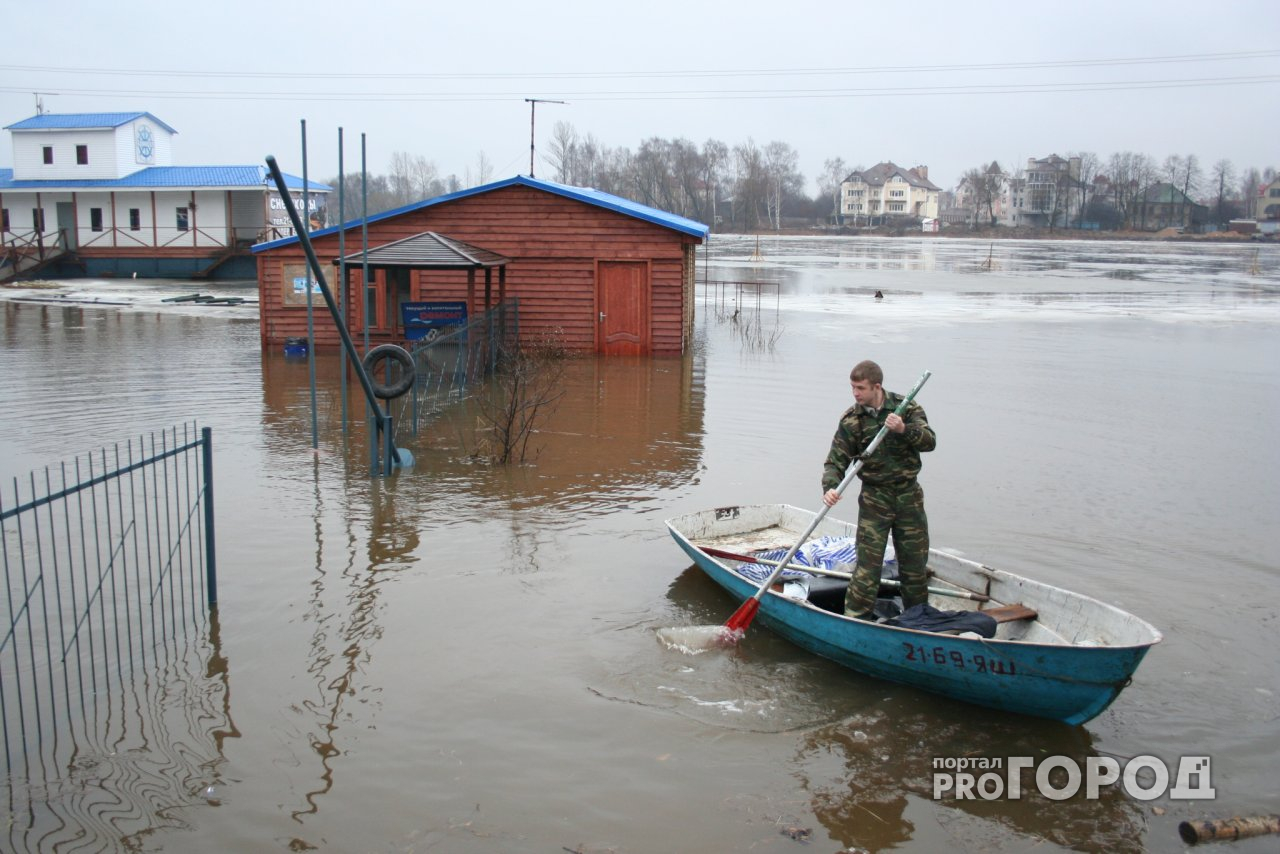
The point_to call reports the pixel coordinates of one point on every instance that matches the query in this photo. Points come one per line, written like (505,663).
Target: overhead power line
(653,73)
(693,94)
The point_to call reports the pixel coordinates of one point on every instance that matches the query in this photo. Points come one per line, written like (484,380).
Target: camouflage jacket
(896,461)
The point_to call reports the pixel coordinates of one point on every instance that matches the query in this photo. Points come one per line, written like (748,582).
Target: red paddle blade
(743,616)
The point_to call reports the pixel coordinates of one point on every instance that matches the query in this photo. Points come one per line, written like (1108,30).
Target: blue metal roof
(82,121)
(160,177)
(582,194)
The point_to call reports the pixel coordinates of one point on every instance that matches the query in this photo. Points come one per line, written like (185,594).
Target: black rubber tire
(395,353)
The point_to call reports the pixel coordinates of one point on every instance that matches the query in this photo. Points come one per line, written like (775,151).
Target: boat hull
(1060,681)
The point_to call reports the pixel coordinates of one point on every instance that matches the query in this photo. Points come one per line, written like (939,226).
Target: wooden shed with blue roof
(597,272)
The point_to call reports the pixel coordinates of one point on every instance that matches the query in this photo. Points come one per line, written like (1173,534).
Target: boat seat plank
(1011,613)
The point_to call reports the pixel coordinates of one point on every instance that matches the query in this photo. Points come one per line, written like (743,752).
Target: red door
(622,308)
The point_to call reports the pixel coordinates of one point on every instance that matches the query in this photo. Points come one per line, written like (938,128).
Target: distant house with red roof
(1267,205)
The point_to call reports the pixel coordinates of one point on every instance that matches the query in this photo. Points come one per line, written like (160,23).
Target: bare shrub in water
(749,328)
(521,394)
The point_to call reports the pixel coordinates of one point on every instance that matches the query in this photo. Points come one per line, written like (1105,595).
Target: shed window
(82,155)
(135,219)
(5,226)
(95,219)
(37,219)
(183,220)
(48,154)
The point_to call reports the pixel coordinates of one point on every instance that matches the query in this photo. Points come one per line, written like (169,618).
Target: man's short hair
(869,371)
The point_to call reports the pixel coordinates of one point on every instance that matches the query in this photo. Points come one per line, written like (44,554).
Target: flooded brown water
(465,659)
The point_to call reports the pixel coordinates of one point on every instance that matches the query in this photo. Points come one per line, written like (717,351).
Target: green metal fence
(447,367)
(110,572)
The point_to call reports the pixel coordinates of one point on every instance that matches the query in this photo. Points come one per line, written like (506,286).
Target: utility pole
(533,106)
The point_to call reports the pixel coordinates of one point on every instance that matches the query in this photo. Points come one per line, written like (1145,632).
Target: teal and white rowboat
(1056,654)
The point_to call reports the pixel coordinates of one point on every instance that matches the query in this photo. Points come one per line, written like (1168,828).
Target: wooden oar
(736,626)
(835,573)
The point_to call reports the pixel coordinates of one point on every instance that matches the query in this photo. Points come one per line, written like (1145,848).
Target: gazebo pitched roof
(429,251)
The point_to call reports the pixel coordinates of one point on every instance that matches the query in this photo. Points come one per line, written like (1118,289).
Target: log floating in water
(1236,827)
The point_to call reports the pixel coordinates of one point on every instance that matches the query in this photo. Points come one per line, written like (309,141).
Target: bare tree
(400,177)
(833,174)
(564,145)
(1090,164)
(1131,176)
(413,178)
(379,194)
(1191,177)
(1224,174)
(1249,184)
(650,174)
(982,187)
(589,161)
(781,163)
(749,184)
(1183,173)
(969,193)
(484,168)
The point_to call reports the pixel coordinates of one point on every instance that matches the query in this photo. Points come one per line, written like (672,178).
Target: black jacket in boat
(896,462)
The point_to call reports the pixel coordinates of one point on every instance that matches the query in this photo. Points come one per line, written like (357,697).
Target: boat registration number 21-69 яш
(941,657)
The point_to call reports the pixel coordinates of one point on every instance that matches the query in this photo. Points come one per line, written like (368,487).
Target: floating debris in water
(692,640)
(800,834)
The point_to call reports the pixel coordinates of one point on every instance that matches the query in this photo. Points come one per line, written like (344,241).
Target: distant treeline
(748,186)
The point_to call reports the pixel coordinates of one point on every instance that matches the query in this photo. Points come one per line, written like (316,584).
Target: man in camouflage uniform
(891,500)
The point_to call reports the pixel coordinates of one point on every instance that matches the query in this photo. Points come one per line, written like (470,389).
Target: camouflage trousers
(885,510)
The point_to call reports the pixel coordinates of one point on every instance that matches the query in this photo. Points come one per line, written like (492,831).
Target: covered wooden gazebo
(431,251)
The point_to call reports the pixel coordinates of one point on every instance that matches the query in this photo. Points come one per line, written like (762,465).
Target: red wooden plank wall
(554,243)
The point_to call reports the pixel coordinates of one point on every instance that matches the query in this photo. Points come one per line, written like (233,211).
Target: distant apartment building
(1048,193)
(886,191)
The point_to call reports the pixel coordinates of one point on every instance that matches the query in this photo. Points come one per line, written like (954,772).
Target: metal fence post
(210,560)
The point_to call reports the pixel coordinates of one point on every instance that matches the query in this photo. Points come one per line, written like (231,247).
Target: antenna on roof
(533,105)
(40,103)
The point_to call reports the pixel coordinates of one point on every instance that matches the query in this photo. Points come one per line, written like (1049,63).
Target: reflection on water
(149,748)
(464,657)
(862,772)
(625,431)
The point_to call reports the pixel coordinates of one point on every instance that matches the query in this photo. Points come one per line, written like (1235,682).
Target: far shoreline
(1167,235)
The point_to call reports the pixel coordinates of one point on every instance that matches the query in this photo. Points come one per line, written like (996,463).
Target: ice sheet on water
(928,282)
(152,295)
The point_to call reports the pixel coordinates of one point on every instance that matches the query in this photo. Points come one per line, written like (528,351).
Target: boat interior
(1025,610)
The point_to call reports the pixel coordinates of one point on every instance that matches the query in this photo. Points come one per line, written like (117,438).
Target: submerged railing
(447,366)
(110,573)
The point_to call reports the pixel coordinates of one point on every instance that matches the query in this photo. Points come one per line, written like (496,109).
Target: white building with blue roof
(98,194)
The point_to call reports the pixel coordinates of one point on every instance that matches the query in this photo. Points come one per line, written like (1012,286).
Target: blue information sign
(431,320)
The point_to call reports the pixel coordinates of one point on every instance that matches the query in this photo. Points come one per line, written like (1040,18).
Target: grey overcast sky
(946,84)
